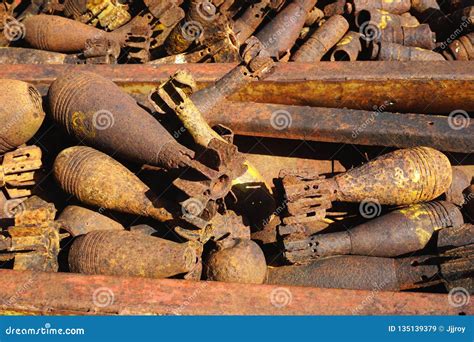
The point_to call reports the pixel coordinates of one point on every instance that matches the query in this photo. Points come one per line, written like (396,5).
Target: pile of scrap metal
(177,31)
(160,188)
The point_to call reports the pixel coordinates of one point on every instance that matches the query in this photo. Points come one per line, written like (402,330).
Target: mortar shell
(21,113)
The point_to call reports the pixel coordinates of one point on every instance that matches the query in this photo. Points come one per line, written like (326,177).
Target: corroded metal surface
(376,127)
(123,253)
(321,41)
(399,232)
(21,113)
(78,221)
(167,296)
(242,262)
(357,272)
(97,179)
(359,85)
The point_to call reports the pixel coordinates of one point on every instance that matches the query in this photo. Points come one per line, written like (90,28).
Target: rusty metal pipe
(461,49)
(420,36)
(376,127)
(14,55)
(321,41)
(166,297)
(359,85)
(123,253)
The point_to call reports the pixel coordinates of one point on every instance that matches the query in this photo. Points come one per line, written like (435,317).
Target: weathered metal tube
(242,263)
(79,221)
(14,55)
(391,6)
(314,16)
(253,16)
(338,7)
(96,111)
(399,232)
(461,181)
(123,253)
(356,272)
(321,41)
(396,52)
(58,34)
(419,36)
(348,48)
(280,34)
(98,180)
(21,113)
(339,125)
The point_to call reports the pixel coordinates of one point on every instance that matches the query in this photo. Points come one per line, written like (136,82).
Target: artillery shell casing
(21,113)
(424,5)
(353,272)
(392,6)
(98,180)
(58,34)
(253,16)
(399,232)
(348,48)
(314,16)
(321,41)
(382,19)
(397,52)
(461,49)
(97,112)
(242,263)
(123,253)
(338,7)
(280,34)
(420,36)
(402,177)
(79,221)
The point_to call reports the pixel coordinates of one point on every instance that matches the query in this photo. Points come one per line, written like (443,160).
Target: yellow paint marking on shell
(345,41)
(384,20)
(423,235)
(388,1)
(79,125)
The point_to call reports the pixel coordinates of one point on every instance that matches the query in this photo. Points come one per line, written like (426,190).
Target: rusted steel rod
(344,126)
(63,293)
(417,87)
